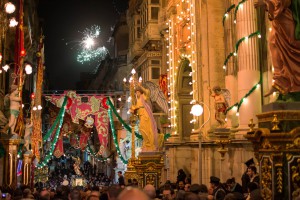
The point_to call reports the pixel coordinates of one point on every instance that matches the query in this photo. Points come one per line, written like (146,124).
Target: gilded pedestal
(26,168)
(10,161)
(148,167)
(276,144)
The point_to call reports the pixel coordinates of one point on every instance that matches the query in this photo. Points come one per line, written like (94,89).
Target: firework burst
(90,46)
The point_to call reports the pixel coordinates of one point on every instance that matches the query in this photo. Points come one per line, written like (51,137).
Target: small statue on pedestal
(28,132)
(222,98)
(15,104)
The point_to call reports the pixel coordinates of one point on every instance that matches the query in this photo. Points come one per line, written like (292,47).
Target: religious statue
(15,104)
(147,124)
(28,132)
(284,44)
(221,97)
(77,165)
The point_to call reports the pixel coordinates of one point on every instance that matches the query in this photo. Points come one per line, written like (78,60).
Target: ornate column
(247,54)
(26,169)
(231,66)
(10,161)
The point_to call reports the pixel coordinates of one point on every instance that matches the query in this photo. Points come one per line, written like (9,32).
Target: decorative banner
(59,149)
(19,168)
(163,84)
(84,105)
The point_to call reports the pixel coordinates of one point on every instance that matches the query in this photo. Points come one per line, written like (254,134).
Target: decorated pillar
(10,161)
(246,51)
(230,66)
(26,169)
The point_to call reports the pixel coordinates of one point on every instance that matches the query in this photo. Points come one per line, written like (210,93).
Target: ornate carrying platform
(276,144)
(146,169)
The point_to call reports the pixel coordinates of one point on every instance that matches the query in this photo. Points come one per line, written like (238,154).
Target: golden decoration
(275,123)
(251,125)
(279,179)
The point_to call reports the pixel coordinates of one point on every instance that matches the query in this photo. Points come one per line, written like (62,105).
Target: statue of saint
(77,165)
(221,104)
(284,44)
(15,104)
(147,124)
(28,132)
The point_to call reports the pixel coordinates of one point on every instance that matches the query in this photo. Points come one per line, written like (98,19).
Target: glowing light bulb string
(56,136)
(227,12)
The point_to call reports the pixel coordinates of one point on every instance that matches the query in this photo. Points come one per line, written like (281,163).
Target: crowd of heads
(181,189)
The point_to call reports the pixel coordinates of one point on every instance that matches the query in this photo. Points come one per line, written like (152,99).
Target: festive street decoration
(227,13)
(84,106)
(240,4)
(112,126)
(36,137)
(126,126)
(48,156)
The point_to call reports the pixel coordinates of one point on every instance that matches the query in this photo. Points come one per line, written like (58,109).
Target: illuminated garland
(58,118)
(237,46)
(238,104)
(20,150)
(112,126)
(53,144)
(126,126)
(227,11)
(92,153)
(237,8)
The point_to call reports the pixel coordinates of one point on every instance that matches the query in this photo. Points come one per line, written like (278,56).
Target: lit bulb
(39,107)
(13,22)
(9,8)
(234,53)
(5,67)
(140,79)
(237,114)
(124,80)
(34,108)
(234,21)
(133,71)
(119,99)
(224,67)
(259,36)
(28,69)
(226,14)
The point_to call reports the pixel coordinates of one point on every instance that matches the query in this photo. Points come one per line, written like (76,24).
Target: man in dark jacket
(121,179)
(218,191)
(245,176)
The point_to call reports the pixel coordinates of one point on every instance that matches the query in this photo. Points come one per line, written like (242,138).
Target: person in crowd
(121,179)
(203,192)
(254,192)
(150,191)
(191,196)
(181,176)
(75,195)
(218,193)
(233,186)
(245,176)
(130,193)
(181,185)
(168,193)
(113,192)
(252,173)
(187,187)
(44,195)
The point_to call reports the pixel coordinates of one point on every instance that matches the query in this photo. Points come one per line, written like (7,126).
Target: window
(154,1)
(154,13)
(155,73)
(155,62)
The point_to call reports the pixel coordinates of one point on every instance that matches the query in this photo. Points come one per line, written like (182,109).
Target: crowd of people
(182,189)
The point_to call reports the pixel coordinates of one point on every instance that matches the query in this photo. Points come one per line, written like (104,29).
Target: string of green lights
(237,8)
(55,139)
(126,126)
(50,131)
(227,12)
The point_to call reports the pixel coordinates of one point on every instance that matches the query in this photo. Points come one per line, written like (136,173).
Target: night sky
(63,22)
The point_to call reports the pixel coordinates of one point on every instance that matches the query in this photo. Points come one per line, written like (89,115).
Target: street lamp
(196,111)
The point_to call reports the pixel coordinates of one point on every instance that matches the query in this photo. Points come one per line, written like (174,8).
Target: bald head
(132,194)
(150,191)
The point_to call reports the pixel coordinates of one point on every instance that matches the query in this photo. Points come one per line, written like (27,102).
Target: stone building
(199,45)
